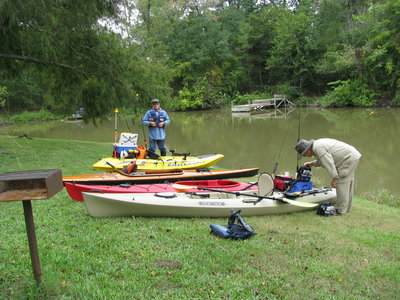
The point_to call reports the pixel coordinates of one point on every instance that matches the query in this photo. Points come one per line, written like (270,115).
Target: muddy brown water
(260,140)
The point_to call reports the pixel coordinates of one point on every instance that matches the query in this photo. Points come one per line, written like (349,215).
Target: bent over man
(340,160)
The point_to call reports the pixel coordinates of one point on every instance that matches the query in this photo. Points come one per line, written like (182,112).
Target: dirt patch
(169,264)
(7,154)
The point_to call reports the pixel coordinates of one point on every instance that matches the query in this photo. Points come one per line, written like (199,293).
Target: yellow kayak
(164,163)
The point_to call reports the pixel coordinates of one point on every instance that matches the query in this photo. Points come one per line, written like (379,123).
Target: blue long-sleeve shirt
(156,133)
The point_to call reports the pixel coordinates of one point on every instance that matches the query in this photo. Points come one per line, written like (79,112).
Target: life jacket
(131,168)
(158,118)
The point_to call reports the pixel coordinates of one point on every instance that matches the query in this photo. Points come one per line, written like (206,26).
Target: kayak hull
(165,163)
(75,190)
(146,177)
(216,204)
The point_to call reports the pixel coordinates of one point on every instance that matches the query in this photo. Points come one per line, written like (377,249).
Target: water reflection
(260,142)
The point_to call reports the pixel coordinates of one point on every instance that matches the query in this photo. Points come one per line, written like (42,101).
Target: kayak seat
(265,184)
(165,195)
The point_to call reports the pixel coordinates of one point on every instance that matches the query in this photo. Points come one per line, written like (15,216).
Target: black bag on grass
(242,230)
(327,210)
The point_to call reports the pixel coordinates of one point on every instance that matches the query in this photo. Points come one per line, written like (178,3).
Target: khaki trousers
(345,188)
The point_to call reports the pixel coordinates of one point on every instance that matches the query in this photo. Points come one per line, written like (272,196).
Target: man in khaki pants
(340,160)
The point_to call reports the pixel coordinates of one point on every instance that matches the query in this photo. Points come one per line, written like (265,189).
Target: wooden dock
(268,114)
(260,104)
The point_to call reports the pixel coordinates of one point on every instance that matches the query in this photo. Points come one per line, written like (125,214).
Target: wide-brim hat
(302,146)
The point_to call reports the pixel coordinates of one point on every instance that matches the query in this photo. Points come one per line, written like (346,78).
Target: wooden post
(33,249)
(26,186)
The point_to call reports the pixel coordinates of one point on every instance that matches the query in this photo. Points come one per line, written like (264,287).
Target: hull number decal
(209,203)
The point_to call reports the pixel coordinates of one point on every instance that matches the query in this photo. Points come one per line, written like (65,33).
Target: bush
(349,93)
(41,115)
(396,100)
(291,92)
(3,93)
(307,101)
(205,93)
(245,99)
(188,100)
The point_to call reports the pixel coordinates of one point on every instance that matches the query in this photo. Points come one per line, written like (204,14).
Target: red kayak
(146,177)
(75,190)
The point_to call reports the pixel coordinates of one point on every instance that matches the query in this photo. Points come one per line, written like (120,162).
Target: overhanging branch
(42,62)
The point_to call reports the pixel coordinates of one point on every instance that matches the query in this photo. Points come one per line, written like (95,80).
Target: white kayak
(207,204)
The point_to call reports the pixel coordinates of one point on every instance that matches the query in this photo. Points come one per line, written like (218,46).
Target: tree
(363,49)
(205,49)
(292,57)
(260,38)
(71,57)
(379,56)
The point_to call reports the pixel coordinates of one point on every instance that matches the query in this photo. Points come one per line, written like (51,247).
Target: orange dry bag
(142,152)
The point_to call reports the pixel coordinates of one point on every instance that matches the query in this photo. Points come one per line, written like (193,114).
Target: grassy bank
(298,255)
(31,116)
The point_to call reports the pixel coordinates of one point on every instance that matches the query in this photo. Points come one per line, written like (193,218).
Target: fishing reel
(304,174)
(184,154)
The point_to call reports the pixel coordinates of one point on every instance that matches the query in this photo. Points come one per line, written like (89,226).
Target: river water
(263,139)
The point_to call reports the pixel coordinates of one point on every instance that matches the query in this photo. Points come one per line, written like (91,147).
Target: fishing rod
(298,139)
(115,131)
(144,137)
(181,187)
(280,151)
(127,124)
(144,134)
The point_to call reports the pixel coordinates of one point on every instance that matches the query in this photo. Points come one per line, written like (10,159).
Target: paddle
(181,187)
(250,185)
(145,173)
(302,194)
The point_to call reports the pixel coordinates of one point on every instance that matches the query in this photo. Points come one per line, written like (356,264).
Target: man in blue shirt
(156,119)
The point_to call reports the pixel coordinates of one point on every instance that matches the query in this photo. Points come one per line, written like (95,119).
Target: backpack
(327,210)
(234,231)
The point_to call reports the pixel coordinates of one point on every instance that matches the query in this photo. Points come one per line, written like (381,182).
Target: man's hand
(309,164)
(153,124)
(161,124)
(334,183)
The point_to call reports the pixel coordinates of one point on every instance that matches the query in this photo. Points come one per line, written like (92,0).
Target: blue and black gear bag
(241,230)
(327,210)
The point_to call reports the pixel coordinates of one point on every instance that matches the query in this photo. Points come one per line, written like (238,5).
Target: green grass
(293,256)
(32,116)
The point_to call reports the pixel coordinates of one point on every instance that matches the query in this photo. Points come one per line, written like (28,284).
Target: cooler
(127,141)
(119,149)
(281,182)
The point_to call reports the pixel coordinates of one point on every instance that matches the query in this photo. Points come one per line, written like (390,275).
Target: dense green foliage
(57,55)
(349,93)
(196,54)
